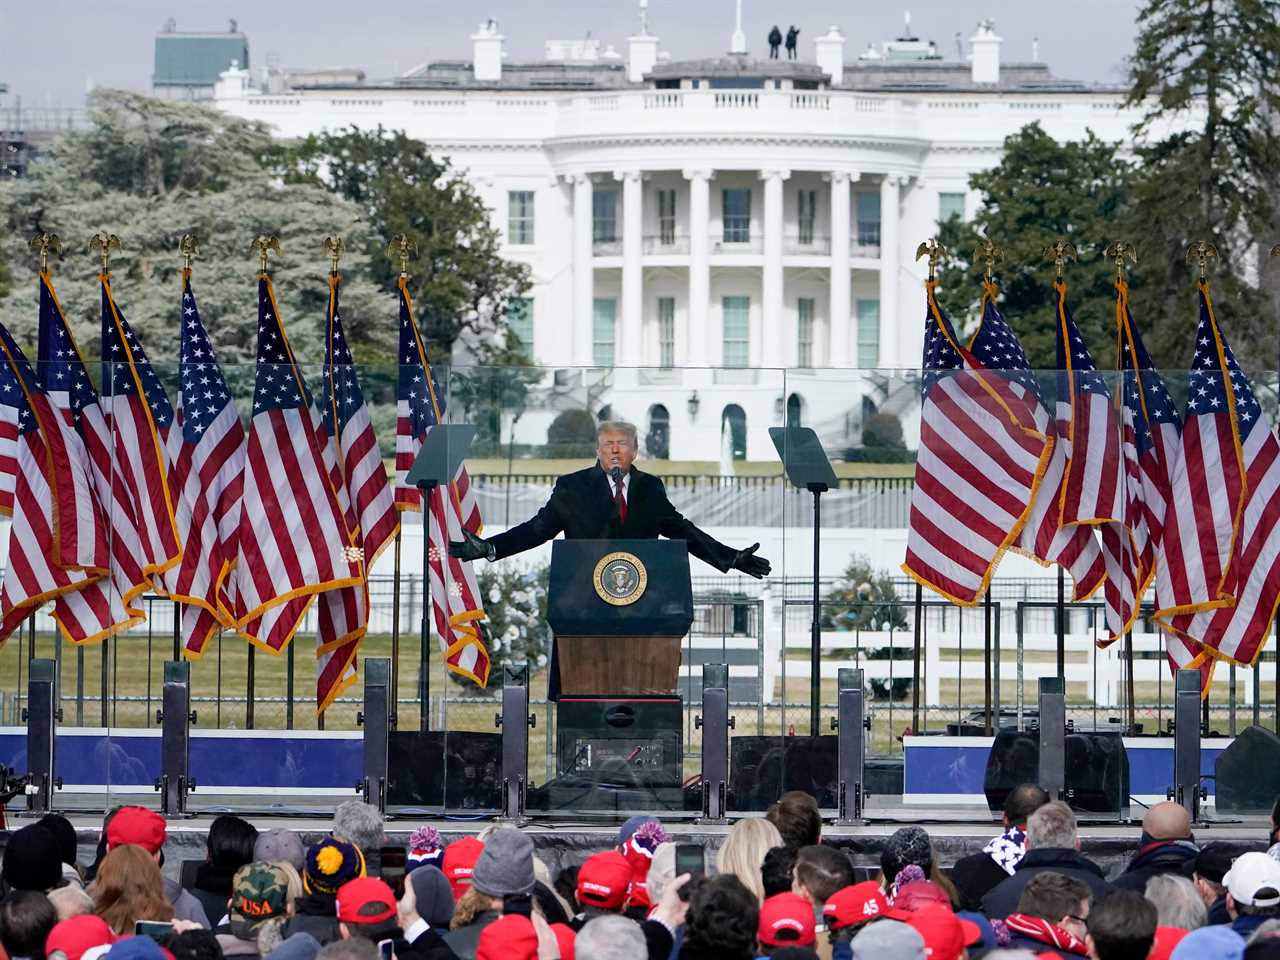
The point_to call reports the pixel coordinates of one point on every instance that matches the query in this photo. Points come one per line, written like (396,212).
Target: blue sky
(51,51)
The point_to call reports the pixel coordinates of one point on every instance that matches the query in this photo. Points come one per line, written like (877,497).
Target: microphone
(616,474)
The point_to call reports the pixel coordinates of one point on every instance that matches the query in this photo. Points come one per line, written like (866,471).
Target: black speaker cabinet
(761,769)
(1247,773)
(1097,770)
(620,741)
(454,770)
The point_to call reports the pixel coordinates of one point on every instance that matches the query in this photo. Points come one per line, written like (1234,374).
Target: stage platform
(561,842)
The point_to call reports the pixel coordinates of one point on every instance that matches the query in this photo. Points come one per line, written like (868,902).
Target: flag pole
(1118,250)
(1059,252)
(988,251)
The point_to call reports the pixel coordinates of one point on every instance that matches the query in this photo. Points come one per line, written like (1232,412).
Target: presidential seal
(620,578)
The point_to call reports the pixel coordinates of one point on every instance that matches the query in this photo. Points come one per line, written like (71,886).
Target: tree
(1042,190)
(863,599)
(151,170)
(462,286)
(1205,74)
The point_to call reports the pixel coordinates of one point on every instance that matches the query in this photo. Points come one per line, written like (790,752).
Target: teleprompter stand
(442,453)
(809,469)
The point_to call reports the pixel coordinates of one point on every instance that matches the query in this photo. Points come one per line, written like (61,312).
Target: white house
(719,233)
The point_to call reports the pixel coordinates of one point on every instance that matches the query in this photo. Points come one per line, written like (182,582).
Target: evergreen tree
(1205,74)
(1042,190)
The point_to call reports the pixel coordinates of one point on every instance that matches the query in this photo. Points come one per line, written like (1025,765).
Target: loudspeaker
(456,770)
(761,769)
(1096,770)
(1247,773)
(625,742)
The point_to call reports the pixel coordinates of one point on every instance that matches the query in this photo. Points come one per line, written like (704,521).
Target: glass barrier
(936,673)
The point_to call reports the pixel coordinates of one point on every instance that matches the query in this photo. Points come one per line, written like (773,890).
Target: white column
(702,343)
(841,281)
(630,342)
(777,350)
(583,270)
(889,254)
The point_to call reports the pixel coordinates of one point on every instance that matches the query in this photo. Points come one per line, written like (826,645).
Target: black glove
(750,564)
(470,547)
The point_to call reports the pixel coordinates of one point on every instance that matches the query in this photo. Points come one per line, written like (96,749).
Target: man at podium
(611,500)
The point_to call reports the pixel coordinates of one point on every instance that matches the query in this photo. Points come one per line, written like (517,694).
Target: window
(520,217)
(604,216)
(804,332)
(807,206)
(868,333)
(737,215)
(604,317)
(666,332)
(737,330)
(733,431)
(520,321)
(666,217)
(657,441)
(950,205)
(868,219)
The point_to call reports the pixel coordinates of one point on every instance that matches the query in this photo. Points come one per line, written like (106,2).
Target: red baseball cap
(75,935)
(136,825)
(855,905)
(603,881)
(510,937)
(564,938)
(945,935)
(459,861)
(786,920)
(359,893)
(1166,939)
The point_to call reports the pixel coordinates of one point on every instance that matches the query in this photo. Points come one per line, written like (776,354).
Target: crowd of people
(773,889)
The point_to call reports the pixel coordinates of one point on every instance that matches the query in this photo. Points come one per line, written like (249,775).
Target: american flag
(364,492)
(1043,537)
(1207,483)
(1237,632)
(1151,431)
(293,538)
(1094,492)
(139,415)
(455,595)
(63,375)
(979,461)
(46,484)
(207,453)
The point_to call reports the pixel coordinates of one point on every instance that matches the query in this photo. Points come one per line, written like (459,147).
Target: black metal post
(1129,686)
(1186,742)
(851,745)
(177,631)
(1062,624)
(424,636)
(915,664)
(815,635)
(175,718)
(375,718)
(249,682)
(714,722)
(986,662)
(395,634)
(1053,731)
(514,721)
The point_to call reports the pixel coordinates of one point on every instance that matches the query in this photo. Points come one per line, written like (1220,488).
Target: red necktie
(620,502)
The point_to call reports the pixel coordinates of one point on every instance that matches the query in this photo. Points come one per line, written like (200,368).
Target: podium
(619,610)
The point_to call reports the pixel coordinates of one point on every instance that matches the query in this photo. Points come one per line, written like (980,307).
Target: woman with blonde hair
(743,852)
(129,888)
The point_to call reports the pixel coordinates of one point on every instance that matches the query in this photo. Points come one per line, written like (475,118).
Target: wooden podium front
(619,610)
(621,666)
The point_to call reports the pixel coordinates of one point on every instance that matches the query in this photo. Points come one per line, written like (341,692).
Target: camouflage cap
(259,892)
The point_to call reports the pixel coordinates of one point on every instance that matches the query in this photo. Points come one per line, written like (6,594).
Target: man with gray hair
(1053,845)
(1177,902)
(611,937)
(360,824)
(610,500)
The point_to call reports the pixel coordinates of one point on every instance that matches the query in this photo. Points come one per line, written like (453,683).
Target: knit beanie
(433,894)
(638,850)
(330,864)
(506,864)
(31,860)
(425,847)
(907,846)
(63,832)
